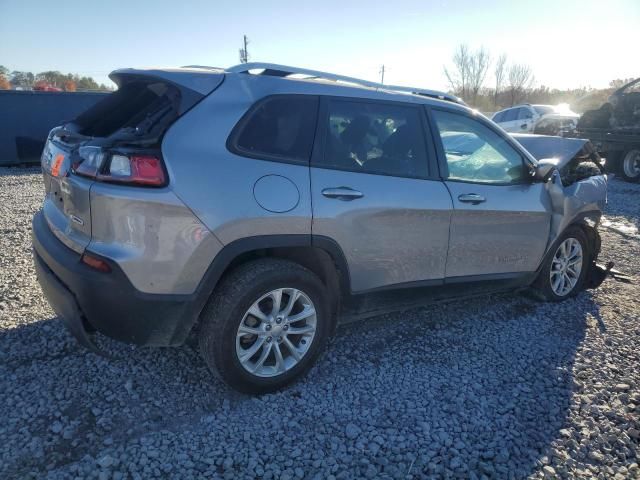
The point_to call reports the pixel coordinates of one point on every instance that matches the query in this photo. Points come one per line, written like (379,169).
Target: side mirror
(544,169)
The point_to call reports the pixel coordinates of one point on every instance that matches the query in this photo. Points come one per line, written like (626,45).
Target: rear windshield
(137,108)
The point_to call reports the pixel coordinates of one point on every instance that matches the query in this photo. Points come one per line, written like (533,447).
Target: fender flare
(235,249)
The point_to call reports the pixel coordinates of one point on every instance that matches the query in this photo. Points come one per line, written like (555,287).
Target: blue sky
(567,43)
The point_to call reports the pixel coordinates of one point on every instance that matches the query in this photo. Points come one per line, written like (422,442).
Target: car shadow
(487,382)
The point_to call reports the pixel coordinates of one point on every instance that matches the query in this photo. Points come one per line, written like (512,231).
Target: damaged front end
(575,158)
(577,188)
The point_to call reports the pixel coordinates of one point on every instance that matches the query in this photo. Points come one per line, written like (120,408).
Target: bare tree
(479,62)
(520,78)
(458,77)
(498,72)
(468,72)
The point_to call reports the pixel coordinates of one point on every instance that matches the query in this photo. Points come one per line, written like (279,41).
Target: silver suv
(243,205)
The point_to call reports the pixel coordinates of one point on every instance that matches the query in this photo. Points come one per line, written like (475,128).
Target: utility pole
(382,75)
(244,53)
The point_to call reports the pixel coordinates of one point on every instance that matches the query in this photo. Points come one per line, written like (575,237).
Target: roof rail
(203,67)
(275,70)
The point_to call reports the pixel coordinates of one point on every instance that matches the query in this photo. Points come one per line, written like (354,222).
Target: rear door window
(371,137)
(280,127)
(510,115)
(524,114)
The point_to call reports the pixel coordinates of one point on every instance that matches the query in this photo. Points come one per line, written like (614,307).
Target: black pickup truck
(614,129)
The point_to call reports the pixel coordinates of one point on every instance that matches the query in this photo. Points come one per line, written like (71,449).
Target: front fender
(580,202)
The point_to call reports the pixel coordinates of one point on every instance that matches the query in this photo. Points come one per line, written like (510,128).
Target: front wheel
(265,325)
(564,271)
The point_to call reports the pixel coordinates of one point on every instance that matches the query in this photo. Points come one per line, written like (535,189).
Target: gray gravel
(500,387)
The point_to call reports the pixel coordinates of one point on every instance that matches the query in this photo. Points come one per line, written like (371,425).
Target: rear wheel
(564,271)
(631,166)
(265,325)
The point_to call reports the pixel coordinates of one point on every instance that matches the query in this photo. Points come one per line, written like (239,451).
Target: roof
(284,71)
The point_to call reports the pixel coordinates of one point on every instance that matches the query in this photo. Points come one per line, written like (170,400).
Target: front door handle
(342,193)
(472,198)
(523,126)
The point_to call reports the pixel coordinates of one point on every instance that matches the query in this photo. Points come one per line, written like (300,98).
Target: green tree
(22,80)
(87,83)
(51,77)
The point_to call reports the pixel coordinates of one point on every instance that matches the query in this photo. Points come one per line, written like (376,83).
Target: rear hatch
(118,141)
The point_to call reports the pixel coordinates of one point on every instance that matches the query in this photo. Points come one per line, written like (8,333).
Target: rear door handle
(473,198)
(342,193)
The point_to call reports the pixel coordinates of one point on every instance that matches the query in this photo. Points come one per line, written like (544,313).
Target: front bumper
(88,300)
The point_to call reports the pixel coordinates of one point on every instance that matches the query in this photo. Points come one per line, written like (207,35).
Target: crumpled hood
(551,149)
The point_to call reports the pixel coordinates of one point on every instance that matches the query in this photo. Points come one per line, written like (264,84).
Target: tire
(544,285)
(225,348)
(630,165)
(613,162)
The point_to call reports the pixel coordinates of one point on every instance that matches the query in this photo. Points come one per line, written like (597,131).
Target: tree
(458,77)
(88,83)
(478,66)
(23,80)
(520,79)
(54,78)
(4,82)
(619,82)
(499,72)
(69,86)
(468,73)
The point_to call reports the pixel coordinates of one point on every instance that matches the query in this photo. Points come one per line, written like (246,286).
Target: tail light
(91,159)
(133,169)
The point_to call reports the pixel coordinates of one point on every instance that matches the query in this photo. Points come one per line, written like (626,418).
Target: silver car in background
(245,205)
(539,119)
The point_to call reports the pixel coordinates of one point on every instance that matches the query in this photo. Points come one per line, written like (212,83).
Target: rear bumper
(87,299)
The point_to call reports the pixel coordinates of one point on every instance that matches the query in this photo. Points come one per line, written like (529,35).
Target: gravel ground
(500,387)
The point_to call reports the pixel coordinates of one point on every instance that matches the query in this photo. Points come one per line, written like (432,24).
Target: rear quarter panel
(219,185)
(156,240)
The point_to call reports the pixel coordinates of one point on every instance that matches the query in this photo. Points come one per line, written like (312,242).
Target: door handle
(472,198)
(523,126)
(342,193)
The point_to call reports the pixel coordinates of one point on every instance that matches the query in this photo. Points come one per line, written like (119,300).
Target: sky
(567,43)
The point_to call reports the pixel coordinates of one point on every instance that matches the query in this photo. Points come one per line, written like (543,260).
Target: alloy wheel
(566,267)
(276,332)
